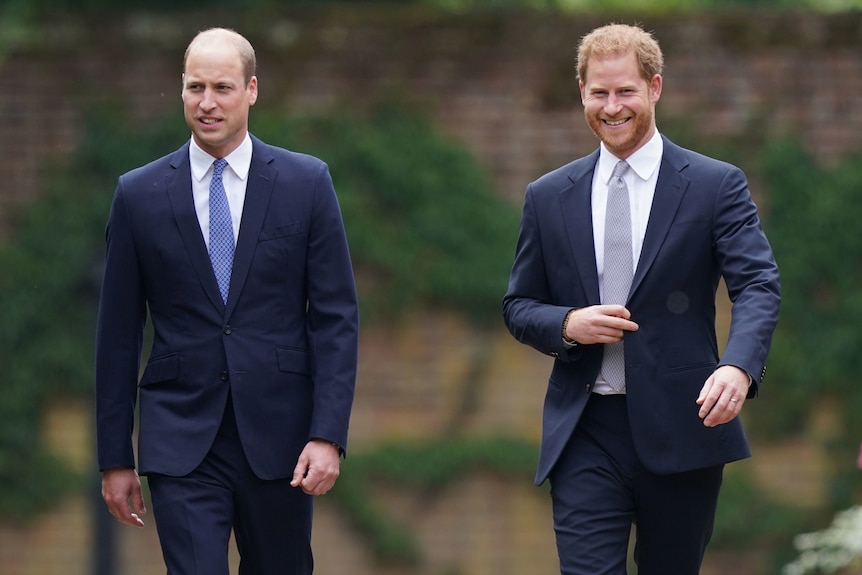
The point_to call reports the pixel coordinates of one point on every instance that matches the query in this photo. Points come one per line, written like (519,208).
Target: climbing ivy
(430,468)
(814,229)
(424,224)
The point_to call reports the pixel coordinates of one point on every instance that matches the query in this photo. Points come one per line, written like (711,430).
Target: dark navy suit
(703,226)
(278,362)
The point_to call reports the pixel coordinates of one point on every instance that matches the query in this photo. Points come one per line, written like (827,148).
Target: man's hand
(599,324)
(317,468)
(722,395)
(121,490)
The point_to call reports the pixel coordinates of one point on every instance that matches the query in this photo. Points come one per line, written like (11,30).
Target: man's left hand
(722,395)
(317,468)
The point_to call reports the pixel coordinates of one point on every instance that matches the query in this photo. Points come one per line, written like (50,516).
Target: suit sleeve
(751,275)
(119,337)
(528,308)
(333,317)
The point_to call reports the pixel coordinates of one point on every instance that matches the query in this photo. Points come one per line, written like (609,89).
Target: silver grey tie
(618,268)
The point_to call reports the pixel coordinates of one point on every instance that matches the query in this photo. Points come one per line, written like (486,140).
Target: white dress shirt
(234,178)
(640,181)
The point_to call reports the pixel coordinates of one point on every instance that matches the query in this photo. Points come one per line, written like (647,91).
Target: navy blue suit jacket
(285,346)
(703,226)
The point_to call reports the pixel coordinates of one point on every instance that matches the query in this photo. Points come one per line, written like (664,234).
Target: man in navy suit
(641,411)
(246,395)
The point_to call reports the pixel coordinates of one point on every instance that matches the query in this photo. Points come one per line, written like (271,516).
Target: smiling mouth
(209,121)
(614,123)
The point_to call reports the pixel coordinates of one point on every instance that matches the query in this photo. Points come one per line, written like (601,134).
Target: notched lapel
(261,179)
(577,214)
(179,186)
(669,190)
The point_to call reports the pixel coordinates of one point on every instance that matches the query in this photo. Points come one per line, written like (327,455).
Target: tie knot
(218,167)
(620,169)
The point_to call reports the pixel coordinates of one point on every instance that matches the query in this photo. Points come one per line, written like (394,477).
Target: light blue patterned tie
(221,230)
(618,268)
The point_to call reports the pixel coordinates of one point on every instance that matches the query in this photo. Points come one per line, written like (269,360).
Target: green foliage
(52,7)
(48,294)
(747,517)
(668,5)
(429,469)
(424,225)
(814,231)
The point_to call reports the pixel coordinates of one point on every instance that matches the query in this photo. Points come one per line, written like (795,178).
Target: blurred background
(433,116)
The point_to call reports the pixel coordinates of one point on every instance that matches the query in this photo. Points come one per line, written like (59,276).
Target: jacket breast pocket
(692,226)
(280,232)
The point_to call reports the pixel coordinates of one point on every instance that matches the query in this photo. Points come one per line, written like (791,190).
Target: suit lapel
(670,188)
(576,208)
(261,179)
(179,186)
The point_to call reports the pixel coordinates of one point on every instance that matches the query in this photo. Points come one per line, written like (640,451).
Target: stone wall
(503,84)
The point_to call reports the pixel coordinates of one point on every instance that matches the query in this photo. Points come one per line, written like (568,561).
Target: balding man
(237,250)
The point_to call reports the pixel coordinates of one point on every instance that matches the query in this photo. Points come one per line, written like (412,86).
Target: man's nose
(207,101)
(613,105)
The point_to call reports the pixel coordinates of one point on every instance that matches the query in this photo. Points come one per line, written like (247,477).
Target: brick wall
(501,83)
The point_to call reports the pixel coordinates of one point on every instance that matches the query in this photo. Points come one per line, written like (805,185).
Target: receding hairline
(243,48)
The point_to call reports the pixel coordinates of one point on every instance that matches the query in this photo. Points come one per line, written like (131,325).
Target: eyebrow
(218,82)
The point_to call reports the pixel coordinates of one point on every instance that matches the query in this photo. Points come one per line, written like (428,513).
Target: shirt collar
(643,162)
(239,160)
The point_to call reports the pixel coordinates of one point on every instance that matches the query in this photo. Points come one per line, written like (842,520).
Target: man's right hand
(121,490)
(599,324)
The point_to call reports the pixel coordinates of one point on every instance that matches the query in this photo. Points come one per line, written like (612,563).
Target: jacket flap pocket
(293,360)
(162,368)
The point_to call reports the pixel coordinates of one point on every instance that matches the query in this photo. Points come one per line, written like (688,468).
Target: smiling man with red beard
(616,269)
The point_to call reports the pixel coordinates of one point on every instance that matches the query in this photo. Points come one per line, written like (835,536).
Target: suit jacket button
(227,330)
(223,376)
